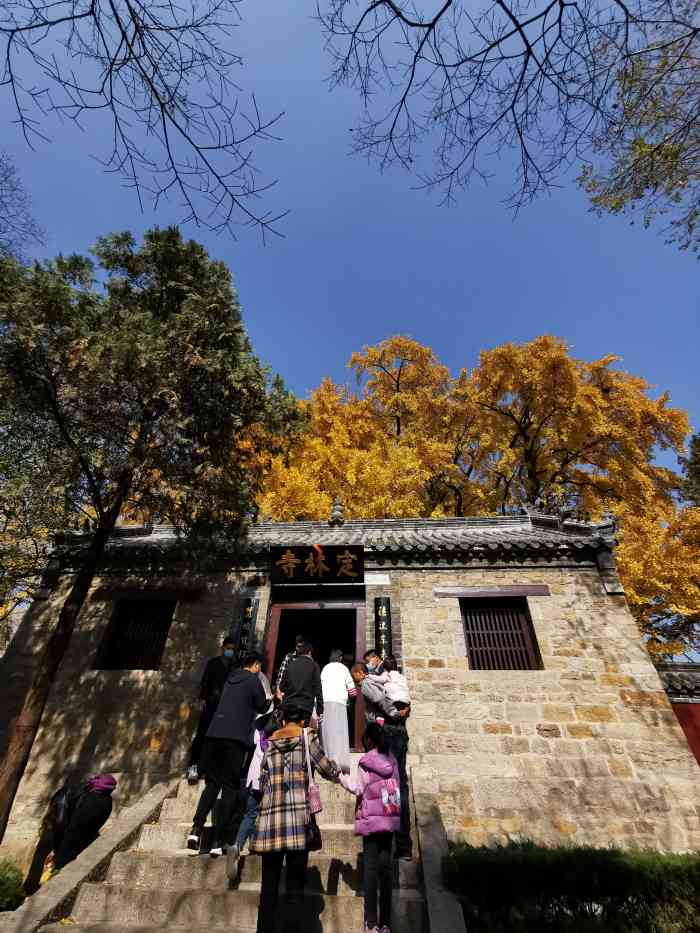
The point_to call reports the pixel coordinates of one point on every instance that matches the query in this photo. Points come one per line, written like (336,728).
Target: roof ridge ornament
(337,516)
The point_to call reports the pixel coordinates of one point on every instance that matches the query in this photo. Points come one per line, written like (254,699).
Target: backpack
(391,797)
(64,803)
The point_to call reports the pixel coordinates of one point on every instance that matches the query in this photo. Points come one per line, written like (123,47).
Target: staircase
(161,885)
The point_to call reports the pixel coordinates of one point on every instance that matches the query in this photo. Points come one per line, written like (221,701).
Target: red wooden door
(360,648)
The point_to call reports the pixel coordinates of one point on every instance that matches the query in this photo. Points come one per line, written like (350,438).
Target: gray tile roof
(478,537)
(432,535)
(681,681)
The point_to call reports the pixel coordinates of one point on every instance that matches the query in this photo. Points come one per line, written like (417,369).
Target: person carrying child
(377,818)
(393,683)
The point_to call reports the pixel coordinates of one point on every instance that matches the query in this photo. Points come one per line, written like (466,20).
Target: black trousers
(205,718)
(222,763)
(272,862)
(398,742)
(89,817)
(377,878)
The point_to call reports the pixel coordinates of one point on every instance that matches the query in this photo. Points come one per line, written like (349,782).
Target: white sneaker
(192,774)
(193,841)
(232,856)
(217,851)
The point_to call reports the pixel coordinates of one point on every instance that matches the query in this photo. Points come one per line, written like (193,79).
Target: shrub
(522,887)
(11,893)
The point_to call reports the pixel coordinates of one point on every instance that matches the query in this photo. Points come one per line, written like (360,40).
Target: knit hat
(102,783)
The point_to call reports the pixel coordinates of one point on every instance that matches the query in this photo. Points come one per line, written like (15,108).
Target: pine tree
(141,395)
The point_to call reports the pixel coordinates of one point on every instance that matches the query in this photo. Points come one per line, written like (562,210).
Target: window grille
(136,635)
(499,635)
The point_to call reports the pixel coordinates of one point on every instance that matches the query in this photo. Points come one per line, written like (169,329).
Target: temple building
(682,683)
(536,711)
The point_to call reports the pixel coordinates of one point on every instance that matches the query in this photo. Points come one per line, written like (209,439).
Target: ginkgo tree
(127,388)
(529,426)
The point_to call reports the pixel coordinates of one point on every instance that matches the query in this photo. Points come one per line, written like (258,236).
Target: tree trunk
(26,724)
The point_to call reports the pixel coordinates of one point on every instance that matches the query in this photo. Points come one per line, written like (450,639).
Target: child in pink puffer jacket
(377,818)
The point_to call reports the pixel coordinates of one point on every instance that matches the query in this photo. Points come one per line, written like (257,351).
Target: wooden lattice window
(499,635)
(136,635)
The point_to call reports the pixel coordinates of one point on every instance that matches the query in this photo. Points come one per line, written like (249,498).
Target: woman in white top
(337,686)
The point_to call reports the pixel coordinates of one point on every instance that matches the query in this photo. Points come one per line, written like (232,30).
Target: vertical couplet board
(242,631)
(382,626)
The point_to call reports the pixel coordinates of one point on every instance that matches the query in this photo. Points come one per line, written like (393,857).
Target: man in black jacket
(215,673)
(226,747)
(300,685)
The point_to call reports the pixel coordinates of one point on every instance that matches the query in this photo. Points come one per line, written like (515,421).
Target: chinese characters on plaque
(382,625)
(243,629)
(316,564)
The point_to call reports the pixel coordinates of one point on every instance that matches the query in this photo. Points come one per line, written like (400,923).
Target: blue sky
(366,256)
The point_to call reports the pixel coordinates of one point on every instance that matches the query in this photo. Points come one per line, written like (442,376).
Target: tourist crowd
(260,747)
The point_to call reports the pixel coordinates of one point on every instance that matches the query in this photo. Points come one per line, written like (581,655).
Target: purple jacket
(374,813)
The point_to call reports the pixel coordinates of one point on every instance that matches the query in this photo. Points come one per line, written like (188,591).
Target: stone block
(556,712)
(595,713)
(615,680)
(497,728)
(580,730)
(636,698)
(548,730)
(522,712)
(473,711)
(567,827)
(512,745)
(620,768)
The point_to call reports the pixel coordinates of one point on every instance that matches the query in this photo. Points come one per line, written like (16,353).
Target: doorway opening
(327,629)
(329,626)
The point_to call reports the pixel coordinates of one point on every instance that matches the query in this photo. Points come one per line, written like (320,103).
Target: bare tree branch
(18,229)
(161,74)
(471,79)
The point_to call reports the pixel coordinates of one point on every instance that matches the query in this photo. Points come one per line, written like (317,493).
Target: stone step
(335,810)
(101,903)
(61,927)
(185,872)
(339,840)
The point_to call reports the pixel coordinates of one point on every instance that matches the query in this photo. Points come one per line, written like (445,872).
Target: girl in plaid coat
(284,820)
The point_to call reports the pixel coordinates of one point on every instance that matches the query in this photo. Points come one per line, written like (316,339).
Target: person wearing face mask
(373,661)
(215,675)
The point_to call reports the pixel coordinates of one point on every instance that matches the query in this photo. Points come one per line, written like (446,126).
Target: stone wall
(586,750)
(137,724)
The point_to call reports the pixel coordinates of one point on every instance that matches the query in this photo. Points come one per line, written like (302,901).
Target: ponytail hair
(376,737)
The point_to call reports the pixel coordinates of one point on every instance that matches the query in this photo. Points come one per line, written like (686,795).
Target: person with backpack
(73,819)
(377,818)
(286,829)
(90,812)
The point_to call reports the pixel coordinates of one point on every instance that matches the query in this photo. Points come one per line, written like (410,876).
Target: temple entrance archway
(329,624)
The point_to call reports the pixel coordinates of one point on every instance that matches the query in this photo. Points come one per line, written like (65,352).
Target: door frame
(272,634)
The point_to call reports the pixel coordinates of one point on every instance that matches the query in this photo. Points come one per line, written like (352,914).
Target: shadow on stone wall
(136,724)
